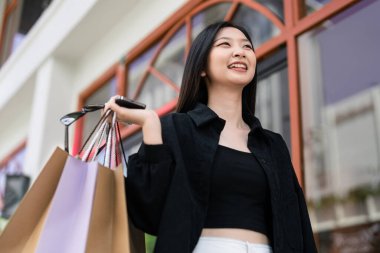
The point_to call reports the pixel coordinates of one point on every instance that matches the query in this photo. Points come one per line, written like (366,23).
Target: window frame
(13,152)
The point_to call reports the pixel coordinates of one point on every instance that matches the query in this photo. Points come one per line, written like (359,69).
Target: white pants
(208,244)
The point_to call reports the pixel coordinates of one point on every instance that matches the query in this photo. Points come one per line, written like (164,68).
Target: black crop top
(239,192)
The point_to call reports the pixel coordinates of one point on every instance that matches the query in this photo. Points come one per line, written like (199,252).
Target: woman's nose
(238,52)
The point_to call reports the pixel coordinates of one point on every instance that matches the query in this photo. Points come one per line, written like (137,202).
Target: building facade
(319,86)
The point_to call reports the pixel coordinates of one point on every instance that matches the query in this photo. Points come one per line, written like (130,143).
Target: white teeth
(238,65)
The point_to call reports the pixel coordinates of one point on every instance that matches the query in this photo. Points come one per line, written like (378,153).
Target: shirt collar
(202,115)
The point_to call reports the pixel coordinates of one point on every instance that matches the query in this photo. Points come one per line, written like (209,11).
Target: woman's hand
(147,119)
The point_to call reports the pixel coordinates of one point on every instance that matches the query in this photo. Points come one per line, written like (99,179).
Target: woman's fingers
(124,115)
(110,104)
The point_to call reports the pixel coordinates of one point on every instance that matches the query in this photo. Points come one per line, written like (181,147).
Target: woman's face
(231,60)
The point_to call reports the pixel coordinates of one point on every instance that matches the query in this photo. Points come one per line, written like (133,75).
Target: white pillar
(52,99)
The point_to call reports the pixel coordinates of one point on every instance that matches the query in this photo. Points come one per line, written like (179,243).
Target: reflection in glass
(258,26)
(340,93)
(314,5)
(272,103)
(155,93)
(171,58)
(137,68)
(99,97)
(211,15)
(276,6)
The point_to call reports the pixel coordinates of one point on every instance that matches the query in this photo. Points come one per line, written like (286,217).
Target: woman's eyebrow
(227,38)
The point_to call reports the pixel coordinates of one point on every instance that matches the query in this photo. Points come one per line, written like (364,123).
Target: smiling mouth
(238,66)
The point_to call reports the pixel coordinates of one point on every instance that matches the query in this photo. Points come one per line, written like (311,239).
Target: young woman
(209,178)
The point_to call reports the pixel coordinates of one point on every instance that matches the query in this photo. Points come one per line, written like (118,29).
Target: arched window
(154,75)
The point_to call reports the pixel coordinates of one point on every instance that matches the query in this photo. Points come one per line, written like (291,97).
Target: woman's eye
(248,46)
(224,44)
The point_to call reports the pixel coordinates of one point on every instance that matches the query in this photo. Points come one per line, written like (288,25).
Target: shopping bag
(67,222)
(110,229)
(22,231)
(104,226)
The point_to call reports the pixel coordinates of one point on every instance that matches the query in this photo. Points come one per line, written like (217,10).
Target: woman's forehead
(230,33)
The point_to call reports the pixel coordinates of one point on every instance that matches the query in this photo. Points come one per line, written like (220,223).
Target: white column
(51,100)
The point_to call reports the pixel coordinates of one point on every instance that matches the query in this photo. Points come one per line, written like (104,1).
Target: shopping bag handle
(112,131)
(95,136)
(70,118)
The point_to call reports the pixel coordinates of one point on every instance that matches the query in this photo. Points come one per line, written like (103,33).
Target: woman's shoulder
(175,118)
(276,138)
(176,127)
(277,141)
(175,115)
(255,125)
(272,134)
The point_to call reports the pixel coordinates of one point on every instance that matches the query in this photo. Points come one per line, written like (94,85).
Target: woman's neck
(228,106)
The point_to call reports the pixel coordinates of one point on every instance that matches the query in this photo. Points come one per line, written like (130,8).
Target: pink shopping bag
(67,222)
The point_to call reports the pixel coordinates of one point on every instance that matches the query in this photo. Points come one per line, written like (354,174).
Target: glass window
(171,60)
(137,68)
(340,93)
(18,23)
(258,26)
(11,24)
(210,15)
(276,6)
(272,98)
(314,5)
(155,93)
(99,97)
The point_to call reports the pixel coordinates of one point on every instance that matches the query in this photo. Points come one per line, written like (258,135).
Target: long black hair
(193,88)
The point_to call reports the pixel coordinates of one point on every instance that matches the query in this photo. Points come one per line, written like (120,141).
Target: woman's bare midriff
(237,233)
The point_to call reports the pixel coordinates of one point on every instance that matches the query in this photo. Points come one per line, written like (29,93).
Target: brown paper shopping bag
(22,232)
(110,230)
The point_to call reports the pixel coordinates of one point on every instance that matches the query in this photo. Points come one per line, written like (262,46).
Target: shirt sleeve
(148,177)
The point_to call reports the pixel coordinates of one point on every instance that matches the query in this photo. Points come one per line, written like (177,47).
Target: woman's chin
(240,82)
